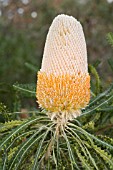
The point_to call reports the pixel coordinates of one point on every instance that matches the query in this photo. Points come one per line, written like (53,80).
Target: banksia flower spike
(63,86)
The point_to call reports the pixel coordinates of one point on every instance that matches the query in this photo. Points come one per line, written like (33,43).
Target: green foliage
(110,61)
(75,147)
(26,89)
(97,85)
(9,125)
(3,113)
(110,38)
(31,67)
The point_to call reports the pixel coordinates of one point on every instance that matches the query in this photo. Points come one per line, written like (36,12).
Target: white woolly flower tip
(65,48)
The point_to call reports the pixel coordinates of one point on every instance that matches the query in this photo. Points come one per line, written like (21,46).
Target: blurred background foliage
(23,28)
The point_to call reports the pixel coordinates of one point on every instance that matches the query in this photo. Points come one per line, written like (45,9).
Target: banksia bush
(63,86)
(71,131)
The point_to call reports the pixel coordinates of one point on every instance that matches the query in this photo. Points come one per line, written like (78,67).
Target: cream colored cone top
(65,48)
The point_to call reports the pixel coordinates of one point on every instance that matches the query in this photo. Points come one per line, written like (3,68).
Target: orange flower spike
(63,86)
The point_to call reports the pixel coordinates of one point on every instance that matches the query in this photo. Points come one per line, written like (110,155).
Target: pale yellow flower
(63,86)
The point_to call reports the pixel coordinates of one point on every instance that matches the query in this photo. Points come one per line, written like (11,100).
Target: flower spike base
(63,96)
